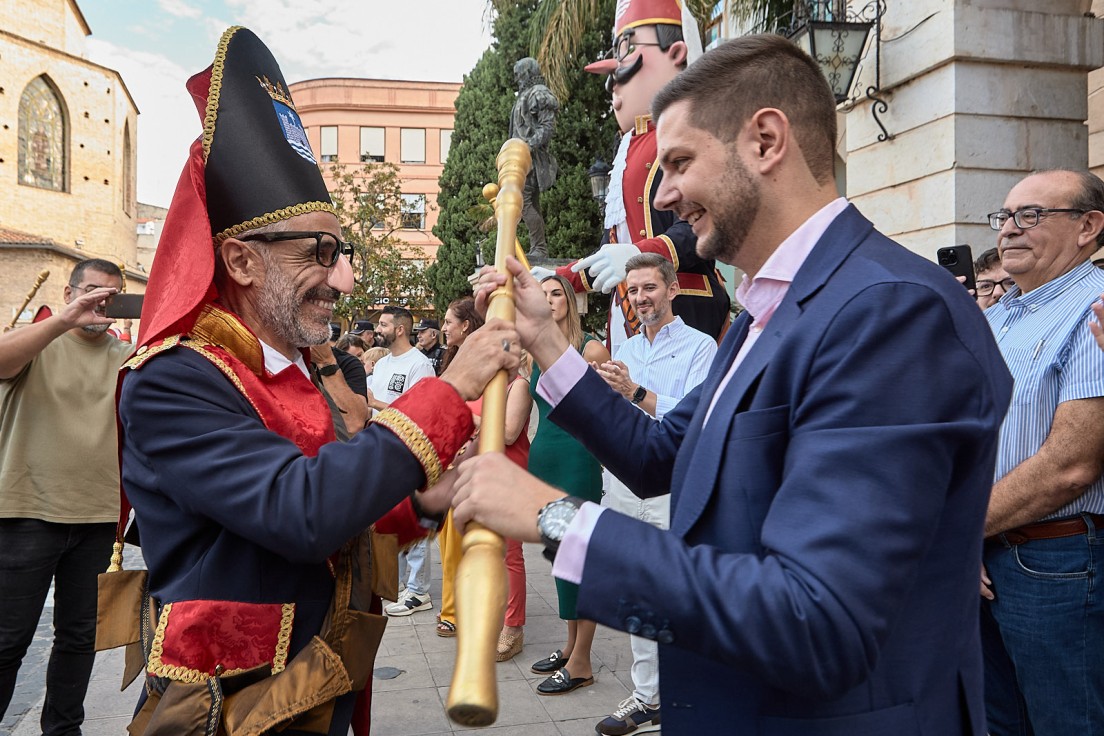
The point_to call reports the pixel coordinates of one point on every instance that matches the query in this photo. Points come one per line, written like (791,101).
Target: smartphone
(125,306)
(959,261)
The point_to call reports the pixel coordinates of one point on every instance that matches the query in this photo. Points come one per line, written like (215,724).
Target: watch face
(557,518)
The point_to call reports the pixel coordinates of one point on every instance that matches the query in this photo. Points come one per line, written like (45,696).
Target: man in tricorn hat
(648,51)
(252,519)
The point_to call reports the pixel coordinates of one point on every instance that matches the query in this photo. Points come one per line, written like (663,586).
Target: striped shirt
(1045,340)
(672,365)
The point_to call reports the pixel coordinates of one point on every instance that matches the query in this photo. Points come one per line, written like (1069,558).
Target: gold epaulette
(146,352)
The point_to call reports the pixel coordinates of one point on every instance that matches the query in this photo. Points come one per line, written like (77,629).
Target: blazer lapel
(694,478)
(726,353)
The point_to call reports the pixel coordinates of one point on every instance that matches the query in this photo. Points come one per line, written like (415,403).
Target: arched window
(43,137)
(128,170)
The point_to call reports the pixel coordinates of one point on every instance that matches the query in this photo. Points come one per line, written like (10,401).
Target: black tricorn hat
(260,168)
(251,166)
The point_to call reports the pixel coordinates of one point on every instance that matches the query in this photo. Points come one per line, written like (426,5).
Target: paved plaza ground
(411,704)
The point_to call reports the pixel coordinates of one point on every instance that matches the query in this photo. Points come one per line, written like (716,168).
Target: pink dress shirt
(760,296)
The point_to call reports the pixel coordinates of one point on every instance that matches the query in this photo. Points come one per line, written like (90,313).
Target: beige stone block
(988,142)
(914,104)
(916,37)
(1096,103)
(922,36)
(1029,92)
(978,192)
(1096,150)
(912,205)
(1054,7)
(914,154)
(1023,37)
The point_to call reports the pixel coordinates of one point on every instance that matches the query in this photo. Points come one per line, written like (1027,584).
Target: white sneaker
(408,603)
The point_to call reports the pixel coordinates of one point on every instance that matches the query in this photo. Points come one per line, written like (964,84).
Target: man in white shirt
(394,374)
(653,369)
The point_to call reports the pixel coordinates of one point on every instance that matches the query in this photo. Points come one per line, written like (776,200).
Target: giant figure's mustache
(622,74)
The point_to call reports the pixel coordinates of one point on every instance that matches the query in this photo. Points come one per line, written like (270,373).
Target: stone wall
(980,92)
(93,215)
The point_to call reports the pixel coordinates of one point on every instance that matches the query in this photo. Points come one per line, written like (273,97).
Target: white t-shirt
(392,376)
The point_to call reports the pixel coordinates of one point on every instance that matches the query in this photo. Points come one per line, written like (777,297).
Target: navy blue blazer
(820,576)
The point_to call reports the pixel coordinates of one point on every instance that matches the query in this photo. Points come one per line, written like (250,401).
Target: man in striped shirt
(1042,625)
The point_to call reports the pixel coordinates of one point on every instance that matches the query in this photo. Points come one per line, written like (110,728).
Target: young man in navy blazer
(829,479)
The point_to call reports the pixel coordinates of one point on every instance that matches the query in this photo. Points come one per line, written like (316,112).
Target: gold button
(640,200)
(142,349)
(648,165)
(643,233)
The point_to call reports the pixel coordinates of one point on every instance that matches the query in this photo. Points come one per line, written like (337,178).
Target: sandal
(446,628)
(509,645)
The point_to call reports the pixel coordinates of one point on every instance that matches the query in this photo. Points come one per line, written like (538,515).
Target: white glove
(540,273)
(607,265)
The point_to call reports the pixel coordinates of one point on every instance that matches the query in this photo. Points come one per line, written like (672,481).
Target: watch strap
(328,370)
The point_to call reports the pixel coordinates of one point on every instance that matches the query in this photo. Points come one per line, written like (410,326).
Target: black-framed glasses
(1026,218)
(625,45)
(326,245)
(985,287)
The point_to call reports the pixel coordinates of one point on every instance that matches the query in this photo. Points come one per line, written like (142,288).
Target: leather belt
(1056,529)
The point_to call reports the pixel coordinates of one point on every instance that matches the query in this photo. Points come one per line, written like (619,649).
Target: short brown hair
(653,260)
(730,83)
(987,261)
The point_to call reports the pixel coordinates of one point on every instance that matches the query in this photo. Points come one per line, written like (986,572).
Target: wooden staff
(42,276)
(481,575)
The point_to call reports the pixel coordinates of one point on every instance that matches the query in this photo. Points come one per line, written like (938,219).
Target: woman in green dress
(557,458)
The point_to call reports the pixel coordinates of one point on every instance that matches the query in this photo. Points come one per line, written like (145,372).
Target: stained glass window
(42,137)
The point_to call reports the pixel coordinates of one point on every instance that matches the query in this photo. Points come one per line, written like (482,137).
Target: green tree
(369,206)
(585,130)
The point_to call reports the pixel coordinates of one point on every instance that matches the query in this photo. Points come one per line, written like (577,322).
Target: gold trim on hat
(274,217)
(216,87)
(650,22)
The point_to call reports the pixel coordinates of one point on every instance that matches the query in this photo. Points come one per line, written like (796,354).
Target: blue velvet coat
(230,510)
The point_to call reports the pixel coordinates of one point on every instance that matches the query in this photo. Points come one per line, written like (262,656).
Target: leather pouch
(119,608)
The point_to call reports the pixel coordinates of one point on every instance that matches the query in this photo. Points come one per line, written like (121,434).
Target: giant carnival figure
(648,51)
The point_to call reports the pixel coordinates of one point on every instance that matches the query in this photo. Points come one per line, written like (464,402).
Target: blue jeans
(32,554)
(1043,637)
(414,568)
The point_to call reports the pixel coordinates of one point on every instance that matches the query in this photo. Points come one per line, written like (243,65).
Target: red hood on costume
(182,277)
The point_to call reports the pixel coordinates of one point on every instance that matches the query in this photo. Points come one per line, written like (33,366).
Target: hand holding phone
(959,260)
(124,306)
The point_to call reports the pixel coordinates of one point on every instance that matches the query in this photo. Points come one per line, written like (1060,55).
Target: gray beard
(279,305)
(95,329)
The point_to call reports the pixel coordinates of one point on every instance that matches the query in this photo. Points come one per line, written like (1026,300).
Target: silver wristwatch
(554,519)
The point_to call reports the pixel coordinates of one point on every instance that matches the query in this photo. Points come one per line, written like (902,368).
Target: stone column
(981,92)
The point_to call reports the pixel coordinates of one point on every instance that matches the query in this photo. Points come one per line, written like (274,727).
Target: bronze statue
(533,120)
